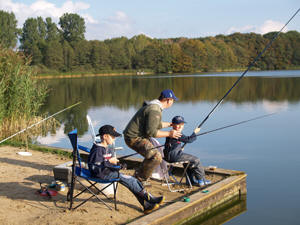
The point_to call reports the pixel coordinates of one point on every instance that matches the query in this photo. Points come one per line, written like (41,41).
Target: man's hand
(174,134)
(197,130)
(113,160)
(166,124)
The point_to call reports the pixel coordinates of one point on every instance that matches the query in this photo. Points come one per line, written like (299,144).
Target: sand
(20,178)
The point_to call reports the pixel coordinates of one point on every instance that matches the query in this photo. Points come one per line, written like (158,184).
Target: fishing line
(248,68)
(210,131)
(21,131)
(235,124)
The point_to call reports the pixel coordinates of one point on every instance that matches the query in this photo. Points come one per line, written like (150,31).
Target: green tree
(68,56)
(54,55)
(181,62)
(52,32)
(195,49)
(157,57)
(118,53)
(8,29)
(82,51)
(33,39)
(99,57)
(73,27)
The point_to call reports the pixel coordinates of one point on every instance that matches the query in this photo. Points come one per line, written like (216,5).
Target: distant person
(102,164)
(173,153)
(145,124)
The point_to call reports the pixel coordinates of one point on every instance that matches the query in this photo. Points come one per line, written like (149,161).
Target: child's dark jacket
(98,161)
(173,146)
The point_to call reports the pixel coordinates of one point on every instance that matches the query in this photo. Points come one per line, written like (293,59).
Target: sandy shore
(21,204)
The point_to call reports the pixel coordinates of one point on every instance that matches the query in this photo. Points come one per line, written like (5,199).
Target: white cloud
(272,107)
(267,26)
(119,24)
(116,25)
(45,9)
(53,138)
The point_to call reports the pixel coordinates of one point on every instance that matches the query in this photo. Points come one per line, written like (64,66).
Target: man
(147,123)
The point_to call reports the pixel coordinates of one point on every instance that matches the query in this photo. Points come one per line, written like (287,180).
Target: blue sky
(164,18)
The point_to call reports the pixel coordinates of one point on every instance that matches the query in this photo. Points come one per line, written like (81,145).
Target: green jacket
(146,122)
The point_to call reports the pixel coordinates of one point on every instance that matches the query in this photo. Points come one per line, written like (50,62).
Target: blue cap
(168,94)
(178,120)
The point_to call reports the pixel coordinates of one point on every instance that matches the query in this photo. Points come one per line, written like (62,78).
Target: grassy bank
(45,149)
(133,72)
(92,74)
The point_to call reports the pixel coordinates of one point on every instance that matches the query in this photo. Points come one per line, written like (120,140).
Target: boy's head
(178,123)
(107,131)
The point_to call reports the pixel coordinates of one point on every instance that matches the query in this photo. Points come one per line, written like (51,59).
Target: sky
(164,18)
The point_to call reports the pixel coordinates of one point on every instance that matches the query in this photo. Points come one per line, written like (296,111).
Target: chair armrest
(83,148)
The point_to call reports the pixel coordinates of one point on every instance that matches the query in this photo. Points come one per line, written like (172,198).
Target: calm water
(266,149)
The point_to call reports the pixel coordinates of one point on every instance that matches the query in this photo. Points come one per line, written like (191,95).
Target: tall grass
(21,96)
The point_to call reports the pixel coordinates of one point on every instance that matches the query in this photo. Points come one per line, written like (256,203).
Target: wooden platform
(232,185)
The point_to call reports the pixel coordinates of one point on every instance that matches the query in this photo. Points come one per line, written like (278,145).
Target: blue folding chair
(79,172)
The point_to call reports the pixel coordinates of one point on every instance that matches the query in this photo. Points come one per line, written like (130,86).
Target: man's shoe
(150,207)
(145,182)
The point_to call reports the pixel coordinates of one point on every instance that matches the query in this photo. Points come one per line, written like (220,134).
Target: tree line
(132,91)
(62,47)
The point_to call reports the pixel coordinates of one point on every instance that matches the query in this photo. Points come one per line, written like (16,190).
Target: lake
(266,149)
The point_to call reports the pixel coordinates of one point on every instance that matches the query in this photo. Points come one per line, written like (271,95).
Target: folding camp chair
(171,180)
(80,173)
(166,169)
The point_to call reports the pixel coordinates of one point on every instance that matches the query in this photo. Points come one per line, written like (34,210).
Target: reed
(21,96)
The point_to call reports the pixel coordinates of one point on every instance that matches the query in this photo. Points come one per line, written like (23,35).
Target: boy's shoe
(159,200)
(202,183)
(150,207)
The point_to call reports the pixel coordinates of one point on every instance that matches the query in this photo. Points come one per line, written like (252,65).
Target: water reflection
(127,92)
(222,213)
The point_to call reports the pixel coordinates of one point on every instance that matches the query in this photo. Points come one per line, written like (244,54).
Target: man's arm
(171,134)
(166,124)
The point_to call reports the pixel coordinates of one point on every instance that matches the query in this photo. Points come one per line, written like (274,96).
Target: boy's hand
(197,130)
(113,160)
(174,134)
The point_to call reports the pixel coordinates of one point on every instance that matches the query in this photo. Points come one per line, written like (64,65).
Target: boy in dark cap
(102,164)
(173,152)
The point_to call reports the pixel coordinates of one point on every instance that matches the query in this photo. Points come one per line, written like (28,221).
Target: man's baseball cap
(168,93)
(108,129)
(178,120)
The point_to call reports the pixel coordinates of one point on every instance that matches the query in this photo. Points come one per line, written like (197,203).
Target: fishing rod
(235,124)
(21,131)
(248,68)
(210,131)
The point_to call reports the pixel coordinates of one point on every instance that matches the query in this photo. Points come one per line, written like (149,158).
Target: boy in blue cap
(173,152)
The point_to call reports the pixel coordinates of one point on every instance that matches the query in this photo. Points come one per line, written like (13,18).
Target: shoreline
(83,75)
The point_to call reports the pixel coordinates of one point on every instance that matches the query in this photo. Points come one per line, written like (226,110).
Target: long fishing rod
(21,131)
(210,131)
(248,68)
(235,124)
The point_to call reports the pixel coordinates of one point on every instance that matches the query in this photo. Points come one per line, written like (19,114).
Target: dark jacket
(98,161)
(173,146)
(146,121)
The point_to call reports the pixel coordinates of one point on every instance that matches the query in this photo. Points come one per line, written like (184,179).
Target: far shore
(141,73)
